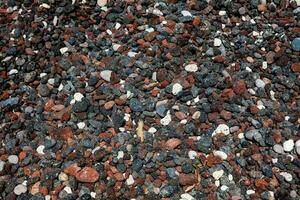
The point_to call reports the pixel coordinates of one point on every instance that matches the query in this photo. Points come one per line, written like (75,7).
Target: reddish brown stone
(296,67)
(109,105)
(151,36)
(172,143)
(66,133)
(180,115)
(240,87)
(226,115)
(187,179)
(261,183)
(72,169)
(87,175)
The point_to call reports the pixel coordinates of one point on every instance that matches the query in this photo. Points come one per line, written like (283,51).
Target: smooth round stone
(176,88)
(13,159)
(260,83)
(20,189)
(222,128)
(278,149)
(13,71)
(288,145)
(287,176)
(296,44)
(101,3)
(220,154)
(191,68)
(218,174)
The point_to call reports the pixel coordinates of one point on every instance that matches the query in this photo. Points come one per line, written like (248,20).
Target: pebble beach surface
(150,99)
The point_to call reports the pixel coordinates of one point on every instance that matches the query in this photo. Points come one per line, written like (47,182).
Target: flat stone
(278,149)
(87,175)
(173,143)
(296,44)
(166,120)
(260,83)
(101,3)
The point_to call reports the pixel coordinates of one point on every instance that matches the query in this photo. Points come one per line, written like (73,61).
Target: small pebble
(176,88)
(13,159)
(20,189)
(106,75)
(217,42)
(288,145)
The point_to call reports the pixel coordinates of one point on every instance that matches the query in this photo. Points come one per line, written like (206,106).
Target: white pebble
(249,192)
(93,194)
(191,68)
(2,163)
(106,74)
(130,180)
(101,3)
(222,128)
(220,154)
(287,176)
(166,120)
(63,177)
(51,81)
(116,47)
(43,74)
(186,13)
(13,159)
(81,125)
(217,42)
(187,196)
(222,12)
(260,83)
(131,54)
(218,174)
(297,145)
(264,65)
(44,5)
(68,190)
(217,183)
(55,19)
(224,187)
(13,71)
(120,155)
(152,130)
(63,50)
(230,177)
(40,149)
(241,135)
(78,96)
(176,88)
(288,145)
(117,26)
(192,154)
(196,115)
(20,189)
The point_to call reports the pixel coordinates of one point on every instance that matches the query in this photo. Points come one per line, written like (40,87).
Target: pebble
(20,189)
(81,125)
(2,163)
(220,154)
(191,68)
(176,88)
(63,50)
(130,180)
(260,83)
(101,3)
(186,13)
(166,120)
(278,149)
(296,44)
(13,71)
(187,196)
(218,174)
(221,129)
(106,75)
(297,146)
(192,155)
(217,42)
(40,149)
(78,96)
(288,145)
(13,159)
(287,176)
